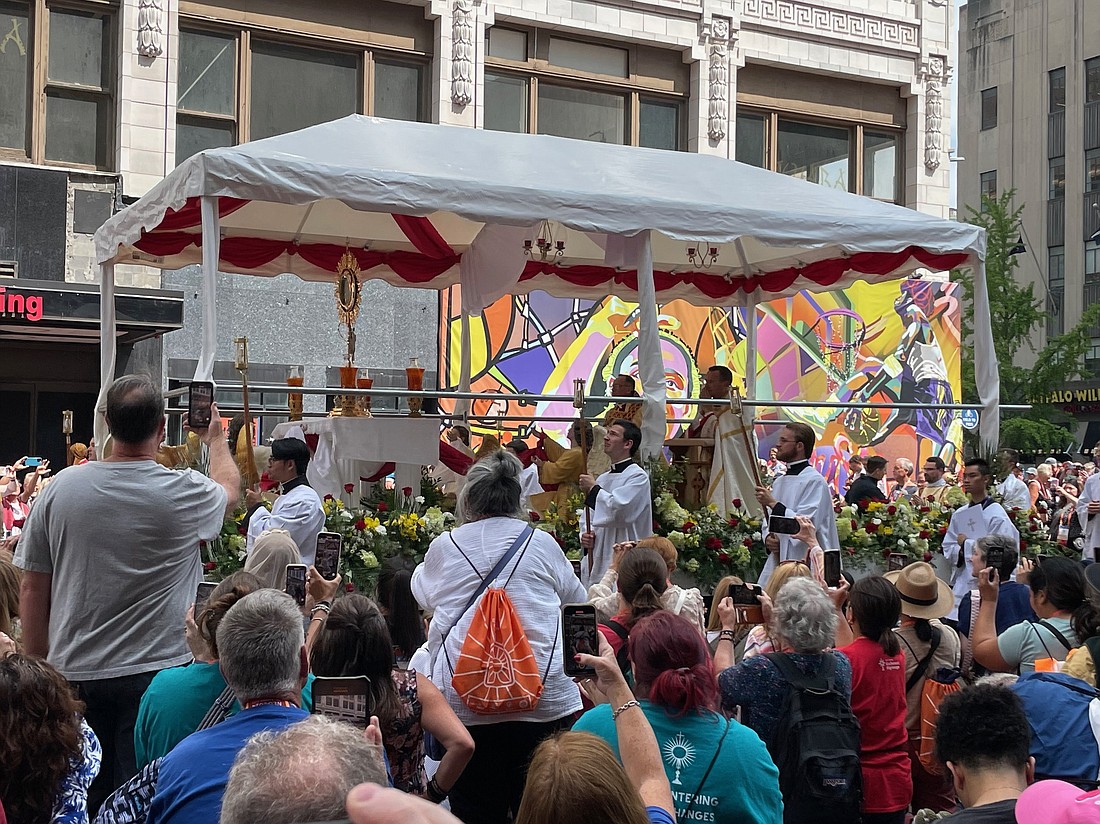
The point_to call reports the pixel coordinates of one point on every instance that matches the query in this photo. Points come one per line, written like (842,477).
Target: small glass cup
(295,377)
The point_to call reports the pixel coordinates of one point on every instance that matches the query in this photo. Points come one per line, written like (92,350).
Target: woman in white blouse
(537,582)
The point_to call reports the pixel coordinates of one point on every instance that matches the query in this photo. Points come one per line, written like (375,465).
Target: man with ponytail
(718,769)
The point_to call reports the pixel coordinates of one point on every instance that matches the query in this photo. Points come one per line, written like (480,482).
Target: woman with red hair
(719,770)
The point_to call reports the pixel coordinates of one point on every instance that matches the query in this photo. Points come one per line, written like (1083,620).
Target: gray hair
(260,640)
(301,773)
(1011,549)
(492,489)
(905,464)
(804,616)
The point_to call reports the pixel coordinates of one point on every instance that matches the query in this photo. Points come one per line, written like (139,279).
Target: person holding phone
(297,509)
(134,571)
(801,491)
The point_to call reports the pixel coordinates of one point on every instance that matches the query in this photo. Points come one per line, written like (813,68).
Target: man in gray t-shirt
(111,560)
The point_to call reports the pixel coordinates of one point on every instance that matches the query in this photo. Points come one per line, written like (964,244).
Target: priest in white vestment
(983,516)
(620,500)
(802,490)
(298,509)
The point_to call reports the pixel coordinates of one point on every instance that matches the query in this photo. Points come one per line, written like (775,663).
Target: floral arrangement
(564,524)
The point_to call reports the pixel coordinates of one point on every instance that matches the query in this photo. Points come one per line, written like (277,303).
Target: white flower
(877,521)
(419,499)
(901,543)
(756,536)
(380,529)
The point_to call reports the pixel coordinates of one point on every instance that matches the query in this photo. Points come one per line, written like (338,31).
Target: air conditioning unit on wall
(9,269)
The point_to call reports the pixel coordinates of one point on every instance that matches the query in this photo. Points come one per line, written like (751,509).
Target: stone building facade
(847,93)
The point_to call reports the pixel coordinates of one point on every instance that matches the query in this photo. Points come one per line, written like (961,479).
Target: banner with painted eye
(880,343)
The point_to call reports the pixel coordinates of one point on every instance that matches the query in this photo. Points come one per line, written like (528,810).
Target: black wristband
(434,792)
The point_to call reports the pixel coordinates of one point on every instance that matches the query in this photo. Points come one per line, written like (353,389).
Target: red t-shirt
(878,700)
(613,638)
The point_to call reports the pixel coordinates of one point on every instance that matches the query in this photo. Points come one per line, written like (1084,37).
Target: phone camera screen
(296,583)
(327,560)
(581,636)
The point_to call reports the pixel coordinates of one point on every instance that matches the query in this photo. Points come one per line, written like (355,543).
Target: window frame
(1092,80)
(1052,106)
(537,67)
(368,54)
(1054,192)
(988,109)
(856,157)
(984,178)
(39,84)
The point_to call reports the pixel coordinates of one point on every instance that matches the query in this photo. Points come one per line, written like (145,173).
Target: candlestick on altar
(578,402)
(240,363)
(67,429)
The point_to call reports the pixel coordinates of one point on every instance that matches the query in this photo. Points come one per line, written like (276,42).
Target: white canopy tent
(429,206)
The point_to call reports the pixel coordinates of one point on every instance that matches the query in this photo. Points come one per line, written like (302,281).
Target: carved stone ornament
(718,77)
(935,76)
(462,52)
(150,28)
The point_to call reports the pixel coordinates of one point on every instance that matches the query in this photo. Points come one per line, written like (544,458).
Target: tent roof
(409,199)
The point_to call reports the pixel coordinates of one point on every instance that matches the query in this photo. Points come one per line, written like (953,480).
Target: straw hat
(923,593)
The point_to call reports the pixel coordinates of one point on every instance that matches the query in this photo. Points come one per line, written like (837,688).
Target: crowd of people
(457,694)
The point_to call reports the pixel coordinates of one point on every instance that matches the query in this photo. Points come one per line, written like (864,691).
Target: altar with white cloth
(352,448)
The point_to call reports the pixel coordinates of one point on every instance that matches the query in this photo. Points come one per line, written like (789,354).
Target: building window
(989,108)
(1092,80)
(213,108)
(751,140)
(1056,287)
(543,84)
(1057,178)
(843,156)
(1092,263)
(1056,80)
(1092,170)
(988,184)
(74,124)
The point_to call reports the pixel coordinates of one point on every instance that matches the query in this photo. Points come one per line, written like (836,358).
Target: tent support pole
(650,360)
(211,254)
(108,349)
(462,406)
(750,349)
(986,370)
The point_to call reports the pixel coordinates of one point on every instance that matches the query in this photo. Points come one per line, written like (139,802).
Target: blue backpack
(1063,741)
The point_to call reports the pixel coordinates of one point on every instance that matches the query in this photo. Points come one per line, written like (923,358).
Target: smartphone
(296,583)
(578,634)
(327,559)
(832,567)
(343,699)
(897,560)
(782,525)
(994,557)
(200,397)
(32,462)
(746,600)
(202,595)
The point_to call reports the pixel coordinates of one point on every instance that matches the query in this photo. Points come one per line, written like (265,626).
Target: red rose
(923,533)
(349,488)
(872,528)
(747,542)
(737,502)
(329,498)
(723,558)
(209,566)
(714,544)
(885,553)
(931,499)
(407,491)
(688,526)
(242,530)
(855,524)
(893,510)
(924,509)
(349,587)
(1023,545)
(535,517)
(733,521)
(361,524)
(837,508)
(943,529)
(928,557)
(382,507)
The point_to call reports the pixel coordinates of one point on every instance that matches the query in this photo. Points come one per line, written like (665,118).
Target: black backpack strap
(691,801)
(922,665)
(822,680)
(1061,638)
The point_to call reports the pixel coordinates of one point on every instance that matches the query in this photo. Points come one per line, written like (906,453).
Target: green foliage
(1017,315)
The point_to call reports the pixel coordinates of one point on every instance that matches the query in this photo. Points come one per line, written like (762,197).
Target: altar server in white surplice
(297,509)
(801,491)
(620,500)
(981,517)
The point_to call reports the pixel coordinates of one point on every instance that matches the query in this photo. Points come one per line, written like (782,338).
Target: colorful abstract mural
(885,343)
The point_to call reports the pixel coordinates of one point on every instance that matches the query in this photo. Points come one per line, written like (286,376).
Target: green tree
(1017,315)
